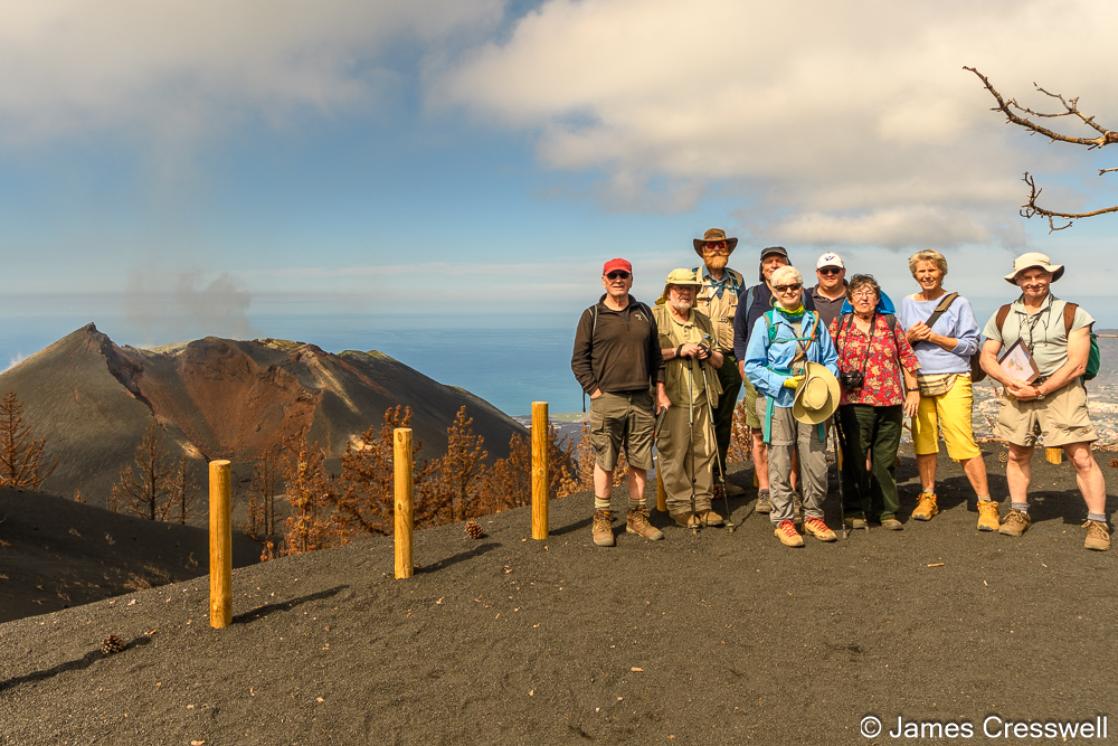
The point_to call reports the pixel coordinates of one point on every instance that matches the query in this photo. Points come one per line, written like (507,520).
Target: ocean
(510,365)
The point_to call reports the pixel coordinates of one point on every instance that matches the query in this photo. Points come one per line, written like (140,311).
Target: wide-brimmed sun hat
(680,276)
(1034,259)
(818,395)
(714,234)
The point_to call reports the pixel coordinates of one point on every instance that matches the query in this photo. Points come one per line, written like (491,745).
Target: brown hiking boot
(988,516)
(764,504)
(1015,523)
(685,519)
(602,530)
(1098,536)
(788,535)
(892,524)
(819,529)
(926,507)
(710,518)
(636,522)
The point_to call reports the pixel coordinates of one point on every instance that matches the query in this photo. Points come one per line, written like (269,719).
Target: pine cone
(112,644)
(474,529)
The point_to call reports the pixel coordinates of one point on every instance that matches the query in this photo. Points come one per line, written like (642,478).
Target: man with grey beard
(686,440)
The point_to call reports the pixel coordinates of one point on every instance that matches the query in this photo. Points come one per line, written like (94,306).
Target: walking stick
(713,435)
(839,450)
(696,524)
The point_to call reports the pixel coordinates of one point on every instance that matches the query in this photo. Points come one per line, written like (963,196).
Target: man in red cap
(617,361)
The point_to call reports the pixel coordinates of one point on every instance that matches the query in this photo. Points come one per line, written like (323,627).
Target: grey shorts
(622,422)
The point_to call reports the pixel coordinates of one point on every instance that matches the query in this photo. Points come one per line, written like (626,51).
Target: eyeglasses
(830,271)
(719,247)
(787,288)
(618,274)
(863,294)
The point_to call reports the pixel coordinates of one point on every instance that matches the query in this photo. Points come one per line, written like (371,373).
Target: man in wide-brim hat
(1056,335)
(718,300)
(685,439)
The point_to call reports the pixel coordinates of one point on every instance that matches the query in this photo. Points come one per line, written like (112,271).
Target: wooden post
(661,493)
(541,470)
(1054,455)
(221,545)
(402,470)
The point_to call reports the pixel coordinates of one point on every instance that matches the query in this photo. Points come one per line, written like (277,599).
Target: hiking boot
(710,518)
(892,524)
(602,530)
(926,507)
(1098,536)
(685,519)
(1015,523)
(988,516)
(764,504)
(788,535)
(636,522)
(817,528)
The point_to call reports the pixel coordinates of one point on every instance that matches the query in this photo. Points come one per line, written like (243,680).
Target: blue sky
(205,163)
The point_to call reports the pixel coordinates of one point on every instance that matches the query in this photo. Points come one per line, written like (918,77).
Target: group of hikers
(837,362)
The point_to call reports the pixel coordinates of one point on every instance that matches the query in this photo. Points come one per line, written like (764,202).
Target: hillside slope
(56,553)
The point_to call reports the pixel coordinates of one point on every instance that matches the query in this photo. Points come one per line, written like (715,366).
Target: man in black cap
(752,305)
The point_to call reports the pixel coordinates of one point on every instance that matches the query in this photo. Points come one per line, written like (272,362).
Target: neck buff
(795,314)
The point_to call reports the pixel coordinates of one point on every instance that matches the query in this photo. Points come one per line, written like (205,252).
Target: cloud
(833,122)
(177,69)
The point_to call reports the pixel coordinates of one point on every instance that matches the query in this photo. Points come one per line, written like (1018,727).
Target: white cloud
(176,68)
(836,122)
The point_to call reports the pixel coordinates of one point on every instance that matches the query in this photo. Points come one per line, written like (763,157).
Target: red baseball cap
(617,263)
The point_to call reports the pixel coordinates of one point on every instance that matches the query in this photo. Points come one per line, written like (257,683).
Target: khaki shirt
(720,310)
(1042,332)
(678,371)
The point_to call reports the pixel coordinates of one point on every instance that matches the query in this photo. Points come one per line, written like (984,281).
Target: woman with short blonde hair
(944,334)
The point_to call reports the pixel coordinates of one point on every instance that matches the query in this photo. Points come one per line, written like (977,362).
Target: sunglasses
(787,288)
(716,246)
(618,274)
(830,271)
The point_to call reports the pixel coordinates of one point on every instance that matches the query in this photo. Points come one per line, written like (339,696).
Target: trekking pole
(695,524)
(838,472)
(717,453)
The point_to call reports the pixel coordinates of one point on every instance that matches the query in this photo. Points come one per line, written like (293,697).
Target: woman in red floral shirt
(874,355)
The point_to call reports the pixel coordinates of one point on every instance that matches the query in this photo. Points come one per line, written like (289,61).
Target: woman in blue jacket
(781,344)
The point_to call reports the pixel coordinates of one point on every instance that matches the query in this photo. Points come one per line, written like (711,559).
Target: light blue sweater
(957,321)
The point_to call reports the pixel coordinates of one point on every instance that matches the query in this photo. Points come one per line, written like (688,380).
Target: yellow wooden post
(221,545)
(541,470)
(402,470)
(661,493)
(1054,455)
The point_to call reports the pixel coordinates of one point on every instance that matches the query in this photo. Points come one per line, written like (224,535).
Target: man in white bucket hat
(1038,347)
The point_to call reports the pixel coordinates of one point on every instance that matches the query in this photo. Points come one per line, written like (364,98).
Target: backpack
(770,327)
(1094,355)
(976,372)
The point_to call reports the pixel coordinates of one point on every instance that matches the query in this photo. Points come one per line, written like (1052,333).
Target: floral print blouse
(882,383)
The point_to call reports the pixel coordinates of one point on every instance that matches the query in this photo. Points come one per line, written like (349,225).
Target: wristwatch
(1039,394)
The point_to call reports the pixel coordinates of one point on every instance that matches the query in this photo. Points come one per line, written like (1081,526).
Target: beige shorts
(1061,417)
(622,422)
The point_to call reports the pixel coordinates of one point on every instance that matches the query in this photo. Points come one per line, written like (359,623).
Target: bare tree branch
(1014,111)
(1031,208)
(1010,107)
